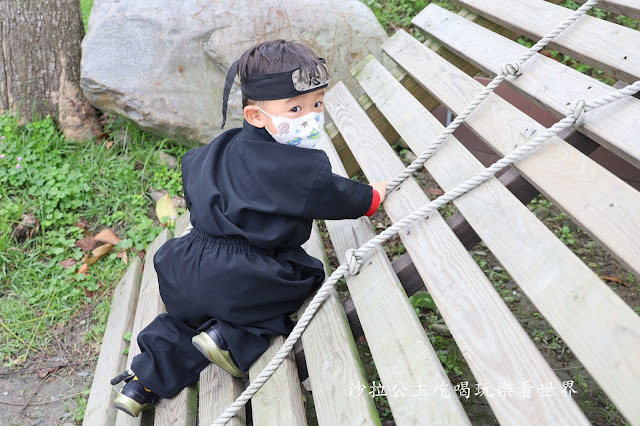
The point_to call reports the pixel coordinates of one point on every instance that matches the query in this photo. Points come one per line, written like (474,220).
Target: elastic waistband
(234,242)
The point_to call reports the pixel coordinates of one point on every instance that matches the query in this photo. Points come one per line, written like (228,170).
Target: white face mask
(303,131)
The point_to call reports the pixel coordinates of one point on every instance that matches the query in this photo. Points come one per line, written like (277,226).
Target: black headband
(279,85)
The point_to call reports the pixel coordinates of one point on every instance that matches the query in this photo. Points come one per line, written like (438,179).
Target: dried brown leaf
(434,191)
(66,264)
(87,244)
(107,236)
(614,280)
(44,372)
(98,252)
(83,269)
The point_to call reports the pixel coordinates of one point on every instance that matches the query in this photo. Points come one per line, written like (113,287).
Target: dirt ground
(51,389)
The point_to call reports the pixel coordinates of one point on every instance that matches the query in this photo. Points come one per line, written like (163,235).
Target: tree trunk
(40,64)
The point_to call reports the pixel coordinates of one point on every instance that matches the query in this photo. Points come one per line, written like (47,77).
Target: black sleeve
(337,197)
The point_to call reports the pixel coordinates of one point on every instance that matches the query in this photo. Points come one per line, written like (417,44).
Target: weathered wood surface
(397,340)
(181,410)
(218,390)
(149,306)
(513,234)
(279,400)
(332,358)
(601,203)
(545,81)
(466,299)
(111,361)
(346,156)
(629,8)
(607,46)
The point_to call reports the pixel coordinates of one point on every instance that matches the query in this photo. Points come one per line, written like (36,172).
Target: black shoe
(213,346)
(134,398)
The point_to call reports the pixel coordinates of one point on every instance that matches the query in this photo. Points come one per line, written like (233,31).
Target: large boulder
(163,63)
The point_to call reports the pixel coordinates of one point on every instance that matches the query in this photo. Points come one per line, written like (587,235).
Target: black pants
(250,292)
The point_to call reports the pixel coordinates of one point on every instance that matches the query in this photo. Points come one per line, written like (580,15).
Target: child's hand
(381,187)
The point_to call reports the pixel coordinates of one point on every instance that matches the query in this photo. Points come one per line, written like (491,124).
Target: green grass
(60,182)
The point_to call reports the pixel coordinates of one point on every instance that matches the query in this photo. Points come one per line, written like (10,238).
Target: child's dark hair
(277,56)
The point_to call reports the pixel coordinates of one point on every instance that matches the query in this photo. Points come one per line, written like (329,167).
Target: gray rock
(162,64)
(167,160)
(480,253)
(541,213)
(155,195)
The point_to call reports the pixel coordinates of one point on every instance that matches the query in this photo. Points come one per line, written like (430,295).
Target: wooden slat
(111,361)
(629,8)
(610,47)
(547,82)
(511,231)
(416,90)
(182,408)
(534,257)
(399,345)
(218,390)
(494,345)
(601,203)
(149,306)
(279,400)
(332,357)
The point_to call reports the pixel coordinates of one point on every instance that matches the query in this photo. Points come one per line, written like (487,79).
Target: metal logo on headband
(279,85)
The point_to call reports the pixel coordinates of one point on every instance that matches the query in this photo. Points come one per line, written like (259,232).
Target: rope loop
(578,112)
(511,68)
(354,260)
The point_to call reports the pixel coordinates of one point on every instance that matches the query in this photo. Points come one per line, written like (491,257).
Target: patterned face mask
(303,131)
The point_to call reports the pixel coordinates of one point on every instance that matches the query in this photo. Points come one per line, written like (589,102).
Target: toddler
(253,193)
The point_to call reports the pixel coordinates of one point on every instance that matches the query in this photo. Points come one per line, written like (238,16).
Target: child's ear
(254,116)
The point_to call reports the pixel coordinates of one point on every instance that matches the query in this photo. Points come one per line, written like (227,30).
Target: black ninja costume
(252,202)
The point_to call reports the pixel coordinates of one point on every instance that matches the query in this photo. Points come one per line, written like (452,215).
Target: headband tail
(231,75)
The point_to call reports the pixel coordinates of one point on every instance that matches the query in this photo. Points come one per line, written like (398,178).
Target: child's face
(289,108)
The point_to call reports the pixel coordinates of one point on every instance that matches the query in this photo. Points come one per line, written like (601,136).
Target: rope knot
(578,112)
(511,68)
(354,260)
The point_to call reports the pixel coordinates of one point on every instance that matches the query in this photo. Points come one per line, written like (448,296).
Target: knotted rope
(354,258)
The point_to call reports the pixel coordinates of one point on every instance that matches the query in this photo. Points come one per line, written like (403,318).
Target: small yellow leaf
(166,211)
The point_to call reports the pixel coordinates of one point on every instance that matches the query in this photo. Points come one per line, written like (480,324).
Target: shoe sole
(214,354)
(129,406)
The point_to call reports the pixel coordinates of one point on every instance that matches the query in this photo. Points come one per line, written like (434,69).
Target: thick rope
(399,226)
(354,257)
(513,68)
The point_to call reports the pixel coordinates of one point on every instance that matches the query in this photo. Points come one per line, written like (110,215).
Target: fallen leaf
(166,211)
(83,269)
(109,144)
(66,264)
(44,372)
(98,252)
(82,223)
(107,236)
(614,279)
(87,244)
(122,254)
(434,191)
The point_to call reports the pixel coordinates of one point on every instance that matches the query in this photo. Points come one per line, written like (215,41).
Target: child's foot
(134,398)
(213,346)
